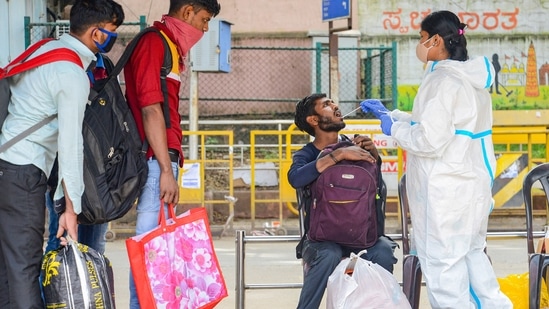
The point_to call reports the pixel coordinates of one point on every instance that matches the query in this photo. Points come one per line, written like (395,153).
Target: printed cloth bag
(175,265)
(360,284)
(76,276)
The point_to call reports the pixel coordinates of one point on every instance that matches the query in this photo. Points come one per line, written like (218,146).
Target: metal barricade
(241,286)
(241,240)
(240,251)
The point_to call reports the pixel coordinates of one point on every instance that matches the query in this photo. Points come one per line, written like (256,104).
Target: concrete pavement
(267,263)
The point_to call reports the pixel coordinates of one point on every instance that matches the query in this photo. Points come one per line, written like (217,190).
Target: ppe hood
(478,71)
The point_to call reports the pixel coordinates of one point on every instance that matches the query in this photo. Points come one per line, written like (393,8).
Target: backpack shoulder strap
(19,65)
(59,54)
(109,65)
(166,66)
(381,200)
(25,54)
(343,137)
(304,205)
(26,133)
(165,70)
(129,51)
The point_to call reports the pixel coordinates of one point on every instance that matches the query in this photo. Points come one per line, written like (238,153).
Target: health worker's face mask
(422,52)
(109,42)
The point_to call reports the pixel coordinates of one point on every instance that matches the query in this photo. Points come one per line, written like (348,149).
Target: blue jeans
(92,236)
(53,224)
(148,206)
(321,258)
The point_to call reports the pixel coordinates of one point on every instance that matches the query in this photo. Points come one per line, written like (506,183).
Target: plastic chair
(538,262)
(411,269)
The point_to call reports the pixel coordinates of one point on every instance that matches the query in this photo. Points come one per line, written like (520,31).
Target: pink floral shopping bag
(175,266)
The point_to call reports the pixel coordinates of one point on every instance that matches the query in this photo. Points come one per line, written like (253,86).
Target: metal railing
(241,285)
(240,250)
(37,31)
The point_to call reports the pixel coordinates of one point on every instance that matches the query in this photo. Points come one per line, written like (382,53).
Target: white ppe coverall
(449,174)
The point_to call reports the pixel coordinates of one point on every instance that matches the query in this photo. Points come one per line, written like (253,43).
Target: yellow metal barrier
(276,158)
(515,161)
(193,173)
(512,136)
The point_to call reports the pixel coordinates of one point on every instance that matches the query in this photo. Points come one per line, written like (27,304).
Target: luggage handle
(162,220)
(352,262)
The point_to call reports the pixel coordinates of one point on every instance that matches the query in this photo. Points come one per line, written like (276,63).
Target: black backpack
(115,165)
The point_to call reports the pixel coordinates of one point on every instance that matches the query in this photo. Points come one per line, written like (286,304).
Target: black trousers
(22,215)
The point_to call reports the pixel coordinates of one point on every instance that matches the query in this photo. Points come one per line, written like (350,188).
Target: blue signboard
(335,9)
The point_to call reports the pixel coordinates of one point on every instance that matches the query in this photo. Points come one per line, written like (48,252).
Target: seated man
(320,117)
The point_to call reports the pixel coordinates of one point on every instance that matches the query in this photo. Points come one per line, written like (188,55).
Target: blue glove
(386,124)
(374,106)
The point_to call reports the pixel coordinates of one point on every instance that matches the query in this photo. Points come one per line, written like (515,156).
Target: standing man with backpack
(321,118)
(91,235)
(60,88)
(158,118)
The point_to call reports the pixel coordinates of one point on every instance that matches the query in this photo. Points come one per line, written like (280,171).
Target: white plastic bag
(358,283)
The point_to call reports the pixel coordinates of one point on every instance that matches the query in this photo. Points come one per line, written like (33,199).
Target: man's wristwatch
(60,205)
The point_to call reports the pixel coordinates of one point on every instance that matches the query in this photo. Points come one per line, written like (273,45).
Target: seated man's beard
(327,125)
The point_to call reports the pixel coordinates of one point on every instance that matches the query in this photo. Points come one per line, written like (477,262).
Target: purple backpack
(343,208)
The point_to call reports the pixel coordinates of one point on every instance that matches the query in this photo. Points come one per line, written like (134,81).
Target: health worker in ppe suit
(450,166)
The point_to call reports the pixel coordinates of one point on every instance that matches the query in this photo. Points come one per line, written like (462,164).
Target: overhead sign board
(335,9)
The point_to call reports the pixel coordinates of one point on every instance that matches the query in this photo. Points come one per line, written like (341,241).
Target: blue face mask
(109,42)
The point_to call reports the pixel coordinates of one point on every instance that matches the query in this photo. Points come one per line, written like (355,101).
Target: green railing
(37,31)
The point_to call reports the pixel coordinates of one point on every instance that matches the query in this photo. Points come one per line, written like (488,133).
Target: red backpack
(344,197)
(21,64)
